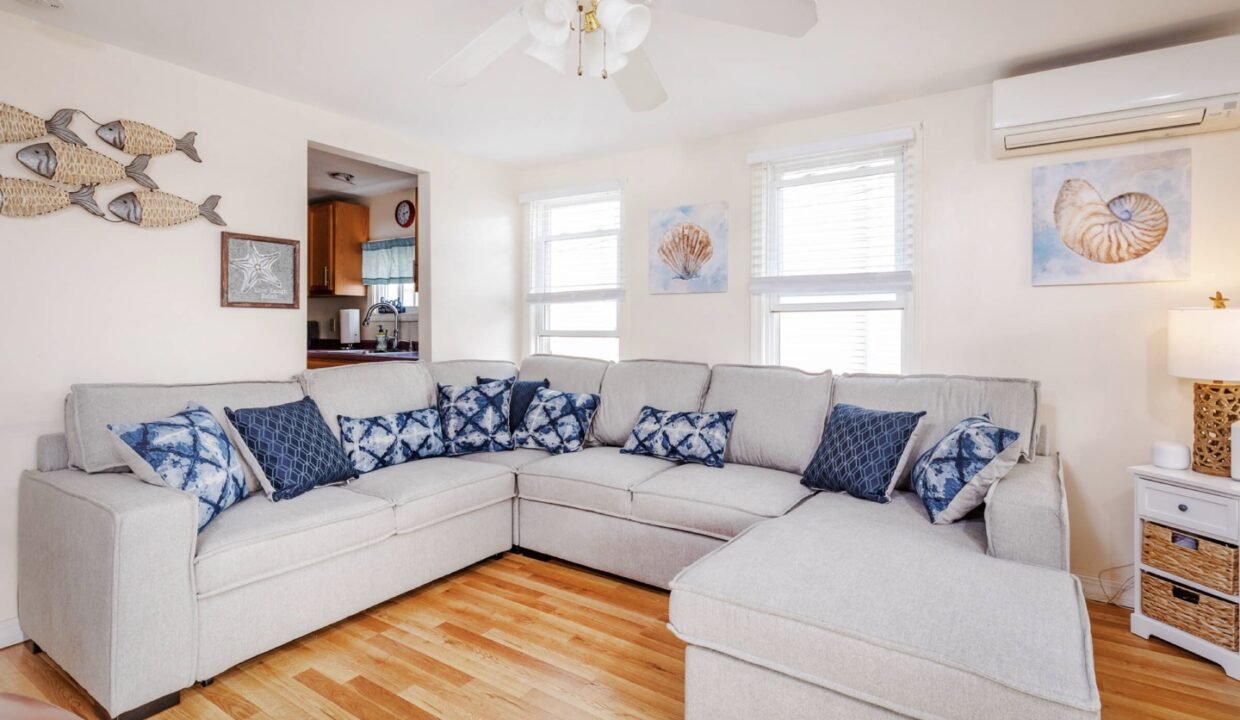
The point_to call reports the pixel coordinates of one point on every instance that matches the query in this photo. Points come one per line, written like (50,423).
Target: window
(393,291)
(388,270)
(833,255)
(575,284)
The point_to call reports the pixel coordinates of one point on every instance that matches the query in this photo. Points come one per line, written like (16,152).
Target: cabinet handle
(1185,595)
(1183,507)
(324,275)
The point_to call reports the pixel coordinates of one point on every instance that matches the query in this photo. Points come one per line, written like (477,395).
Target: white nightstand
(1187,562)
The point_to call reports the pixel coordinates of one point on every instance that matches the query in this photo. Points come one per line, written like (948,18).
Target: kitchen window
(574,284)
(833,248)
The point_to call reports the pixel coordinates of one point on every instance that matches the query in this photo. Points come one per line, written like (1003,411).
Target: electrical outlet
(331,324)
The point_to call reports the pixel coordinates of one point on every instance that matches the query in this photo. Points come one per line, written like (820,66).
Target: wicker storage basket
(1204,561)
(1199,614)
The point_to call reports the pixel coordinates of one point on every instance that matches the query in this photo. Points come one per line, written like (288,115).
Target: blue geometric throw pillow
(522,395)
(862,452)
(953,477)
(188,451)
(377,442)
(698,437)
(556,421)
(293,447)
(475,417)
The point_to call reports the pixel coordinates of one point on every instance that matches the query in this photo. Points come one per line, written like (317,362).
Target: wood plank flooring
(523,638)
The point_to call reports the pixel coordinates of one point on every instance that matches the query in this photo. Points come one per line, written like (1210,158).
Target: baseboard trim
(1100,590)
(11,633)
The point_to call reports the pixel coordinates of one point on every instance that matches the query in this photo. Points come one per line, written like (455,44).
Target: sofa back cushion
(947,399)
(90,408)
(630,385)
(467,372)
(369,389)
(780,413)
(570,374)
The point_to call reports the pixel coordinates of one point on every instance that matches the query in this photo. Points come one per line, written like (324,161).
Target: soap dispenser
(381,341)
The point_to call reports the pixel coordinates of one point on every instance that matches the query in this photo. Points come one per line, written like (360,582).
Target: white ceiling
(369,180)
(371,59)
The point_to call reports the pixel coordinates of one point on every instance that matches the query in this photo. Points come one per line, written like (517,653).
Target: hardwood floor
(523,638)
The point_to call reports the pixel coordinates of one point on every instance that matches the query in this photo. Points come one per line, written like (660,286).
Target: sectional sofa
(793,604)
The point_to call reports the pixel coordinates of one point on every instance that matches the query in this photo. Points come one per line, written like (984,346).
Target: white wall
(1098,350)
(87,301)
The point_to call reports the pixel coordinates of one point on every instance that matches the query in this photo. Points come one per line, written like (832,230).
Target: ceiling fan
(603,38)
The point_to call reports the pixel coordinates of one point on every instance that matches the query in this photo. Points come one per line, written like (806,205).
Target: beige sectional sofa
(793,604)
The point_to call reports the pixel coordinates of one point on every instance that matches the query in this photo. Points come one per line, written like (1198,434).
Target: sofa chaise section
(870,605)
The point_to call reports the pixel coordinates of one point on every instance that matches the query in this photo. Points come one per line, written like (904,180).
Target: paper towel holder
(350,327)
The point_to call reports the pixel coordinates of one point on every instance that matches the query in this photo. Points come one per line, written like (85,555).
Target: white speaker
(1170,456)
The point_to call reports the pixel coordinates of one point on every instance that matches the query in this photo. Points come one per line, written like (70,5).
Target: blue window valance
(387,261)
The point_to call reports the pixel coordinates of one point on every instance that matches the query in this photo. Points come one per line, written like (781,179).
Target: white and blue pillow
(523,392)
(863,452)
(377,442)
(475,417)
(190,452)
(556,421)
(292,446)
(953,477)
(697,437)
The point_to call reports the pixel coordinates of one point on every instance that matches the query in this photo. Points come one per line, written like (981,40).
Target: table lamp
(1203,344)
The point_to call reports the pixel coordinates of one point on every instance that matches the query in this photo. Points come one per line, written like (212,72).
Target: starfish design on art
(255,268)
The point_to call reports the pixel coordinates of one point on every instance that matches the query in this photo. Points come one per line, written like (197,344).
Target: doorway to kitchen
(366,281)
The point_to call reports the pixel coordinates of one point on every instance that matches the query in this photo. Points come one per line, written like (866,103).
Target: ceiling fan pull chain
(581,32)
(604,54)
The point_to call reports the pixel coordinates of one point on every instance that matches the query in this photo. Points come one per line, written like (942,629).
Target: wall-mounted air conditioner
(1175,91)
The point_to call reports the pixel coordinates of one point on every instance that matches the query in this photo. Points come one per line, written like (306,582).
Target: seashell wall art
(1118,220)
(689,249)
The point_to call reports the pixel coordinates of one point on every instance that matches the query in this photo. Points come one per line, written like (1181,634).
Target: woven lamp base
(1216,407)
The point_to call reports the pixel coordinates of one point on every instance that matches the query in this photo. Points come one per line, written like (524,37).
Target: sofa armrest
(1027,515)
(106,584)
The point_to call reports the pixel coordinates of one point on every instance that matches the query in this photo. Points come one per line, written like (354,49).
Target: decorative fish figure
(138,138)
(17,125)
(31,198)
(155,208)
(72,165)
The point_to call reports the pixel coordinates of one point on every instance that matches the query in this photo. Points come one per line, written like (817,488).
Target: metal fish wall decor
(21,198)
(154,208)
(73,165)
(17,125)
(138,138)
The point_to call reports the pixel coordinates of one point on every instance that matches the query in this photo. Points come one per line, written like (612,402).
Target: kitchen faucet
(395,320)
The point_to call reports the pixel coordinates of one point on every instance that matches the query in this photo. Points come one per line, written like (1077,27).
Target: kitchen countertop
(361,355)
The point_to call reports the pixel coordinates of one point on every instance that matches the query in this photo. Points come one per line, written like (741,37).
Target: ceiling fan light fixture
(549,21)
(627,23)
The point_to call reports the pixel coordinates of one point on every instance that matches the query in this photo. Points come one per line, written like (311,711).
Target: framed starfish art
(259,272)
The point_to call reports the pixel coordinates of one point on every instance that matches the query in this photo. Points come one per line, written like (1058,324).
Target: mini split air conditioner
(1175,91)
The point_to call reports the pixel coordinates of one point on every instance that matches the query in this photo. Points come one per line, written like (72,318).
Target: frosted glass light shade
(627,23)
(1204,344)
(549,21)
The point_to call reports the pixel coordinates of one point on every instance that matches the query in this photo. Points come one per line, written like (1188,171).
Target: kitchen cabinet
(336,231)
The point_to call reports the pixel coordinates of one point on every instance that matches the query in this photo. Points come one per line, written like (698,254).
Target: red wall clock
(406,213)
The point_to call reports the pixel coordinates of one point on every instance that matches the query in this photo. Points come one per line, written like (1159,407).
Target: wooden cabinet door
(319,264)
(351,228)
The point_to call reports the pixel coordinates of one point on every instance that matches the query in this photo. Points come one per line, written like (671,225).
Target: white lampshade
(1204,344)
(549,21)
(626,23)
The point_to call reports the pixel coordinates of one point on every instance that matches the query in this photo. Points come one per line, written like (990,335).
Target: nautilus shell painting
(1112,221)
(689,249)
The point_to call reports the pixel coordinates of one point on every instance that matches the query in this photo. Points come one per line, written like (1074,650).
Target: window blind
(574,248)
(834,223)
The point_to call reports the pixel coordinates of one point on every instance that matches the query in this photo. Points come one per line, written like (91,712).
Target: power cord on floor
(1113,598)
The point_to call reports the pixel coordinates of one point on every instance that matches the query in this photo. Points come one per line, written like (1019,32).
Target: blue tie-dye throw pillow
(189,452)
(557,421)
(475,417)
(523,392)
(953,477)
(377,442)
(697,437)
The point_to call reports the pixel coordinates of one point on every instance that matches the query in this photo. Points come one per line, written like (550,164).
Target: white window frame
(411,310)
(768,309)
(540,335)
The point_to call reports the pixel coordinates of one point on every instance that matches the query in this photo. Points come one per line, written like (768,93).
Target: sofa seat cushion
(719,502)
(874,602)
(427,491)
(257,538)
(512,459)
(599,479)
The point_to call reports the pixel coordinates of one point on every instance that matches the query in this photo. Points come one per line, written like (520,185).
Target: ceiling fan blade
(639,84)
(483,50)
(783,17)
